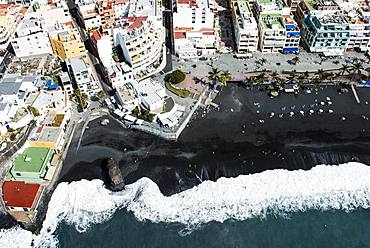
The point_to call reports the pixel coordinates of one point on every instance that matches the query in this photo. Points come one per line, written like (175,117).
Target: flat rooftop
(19,194)
(77,64)
(50,134)
(32,159)
(271,19)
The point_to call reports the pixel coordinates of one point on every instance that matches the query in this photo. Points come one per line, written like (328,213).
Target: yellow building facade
(66,44)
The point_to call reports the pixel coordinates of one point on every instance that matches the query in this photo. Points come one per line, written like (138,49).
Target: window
(18,174)
(25,209)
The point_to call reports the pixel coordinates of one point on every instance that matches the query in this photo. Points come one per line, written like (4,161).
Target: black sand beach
(238,138)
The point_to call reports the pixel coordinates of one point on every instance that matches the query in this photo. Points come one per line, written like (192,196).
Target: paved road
(275,62)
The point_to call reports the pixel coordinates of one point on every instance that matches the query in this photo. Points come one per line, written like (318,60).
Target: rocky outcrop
(115,175)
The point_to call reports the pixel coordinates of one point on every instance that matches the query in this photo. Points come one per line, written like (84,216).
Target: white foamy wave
(85,203)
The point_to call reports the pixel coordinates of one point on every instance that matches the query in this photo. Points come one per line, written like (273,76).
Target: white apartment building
(193,23)
(89,14)
(30,39)
(81,76)
(10,17)
(277,29)
(359,26)
(151,94)
(121,8)
(272,32)
(142,42)
(120,74)
(245,27)
(32,35)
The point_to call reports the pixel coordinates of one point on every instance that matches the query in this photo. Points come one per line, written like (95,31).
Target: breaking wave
(278,192)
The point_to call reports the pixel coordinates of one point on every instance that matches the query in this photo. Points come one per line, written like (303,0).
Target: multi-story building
(31,40)
(31,165)
(193,23)
(81,76)
(358,16)
(106,10)
(88,14)
(67,43)
(32,35)
(293,34)
(327,33)
(10,17)
(278,30)
(141,40)
(21,199)
(245,27)
(272,33)
(121,8)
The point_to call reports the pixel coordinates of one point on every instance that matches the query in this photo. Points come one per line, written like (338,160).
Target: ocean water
(326,206)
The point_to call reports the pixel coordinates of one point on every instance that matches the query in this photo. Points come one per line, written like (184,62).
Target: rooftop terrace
(32,159)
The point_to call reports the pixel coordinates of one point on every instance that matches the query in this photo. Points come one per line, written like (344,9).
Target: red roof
(19,194)
(96,35)
(180,35)
(208,33)
(135,21)
(121,1)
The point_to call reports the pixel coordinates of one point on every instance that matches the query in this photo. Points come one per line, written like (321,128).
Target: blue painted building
(326,33)
(293,35)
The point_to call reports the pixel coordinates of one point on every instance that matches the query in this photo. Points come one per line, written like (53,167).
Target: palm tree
(321,74)
(357,68)
(263,61)
(225,77)
(306,74)
(281,84)
(293,74)
(275,76)
(300,83)
(214,74)
(345,68)
(330,76)
(261,77)
(296,60)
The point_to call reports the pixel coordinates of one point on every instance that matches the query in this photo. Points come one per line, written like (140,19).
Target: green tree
(357,68)
(263,61)
(275,76)
(296,60)
(345,68)
(101,94)
(35,112)
(321,75)
(175,77)
(214,74)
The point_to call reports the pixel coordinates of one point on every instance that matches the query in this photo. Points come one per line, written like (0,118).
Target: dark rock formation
(115,175)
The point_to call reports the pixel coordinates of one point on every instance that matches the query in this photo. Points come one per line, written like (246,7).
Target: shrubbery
(143,114)
(180,92)
(175,77)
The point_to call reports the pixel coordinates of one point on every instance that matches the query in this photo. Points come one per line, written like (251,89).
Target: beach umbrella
(343,118)
(322,103)
(272,114)
(321,111)
(291,113)
(311,111)
(330,111)
(329,103)
(302,112)
(274,93)
(328,98)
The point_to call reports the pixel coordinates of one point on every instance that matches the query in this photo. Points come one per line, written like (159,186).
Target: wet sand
(232,140)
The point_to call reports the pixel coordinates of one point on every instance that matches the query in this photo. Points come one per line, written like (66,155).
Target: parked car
(203,58)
